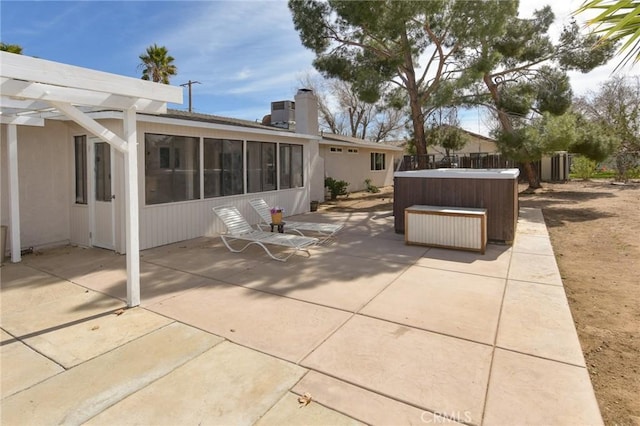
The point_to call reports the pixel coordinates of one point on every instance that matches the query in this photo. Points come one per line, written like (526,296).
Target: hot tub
(495,190)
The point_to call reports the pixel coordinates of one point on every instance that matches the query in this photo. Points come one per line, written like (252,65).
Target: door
(101,199)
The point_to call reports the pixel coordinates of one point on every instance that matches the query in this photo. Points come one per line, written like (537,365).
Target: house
(72,173)
(475,144)
(354,160)
(482,152)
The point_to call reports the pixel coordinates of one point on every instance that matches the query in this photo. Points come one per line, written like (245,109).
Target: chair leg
(266,249)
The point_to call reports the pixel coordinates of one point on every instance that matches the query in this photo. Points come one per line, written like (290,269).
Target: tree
(612,117)
(11,48)
(373,43)
(541,135)
(443,129)
(157,65)
(523,76)
(593,140)
(343,113)
(617,21)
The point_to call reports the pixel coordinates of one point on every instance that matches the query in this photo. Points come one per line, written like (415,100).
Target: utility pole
(189,84)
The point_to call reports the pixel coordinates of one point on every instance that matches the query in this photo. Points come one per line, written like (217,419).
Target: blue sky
(246,54)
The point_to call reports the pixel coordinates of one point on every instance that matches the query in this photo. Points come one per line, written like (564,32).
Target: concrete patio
(377,332)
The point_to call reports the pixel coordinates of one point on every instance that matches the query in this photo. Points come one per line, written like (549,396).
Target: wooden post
(131,203)
(14,192)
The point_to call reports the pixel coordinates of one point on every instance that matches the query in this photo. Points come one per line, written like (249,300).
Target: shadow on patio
(377,331)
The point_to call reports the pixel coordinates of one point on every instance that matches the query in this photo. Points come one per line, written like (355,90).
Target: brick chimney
(306,112)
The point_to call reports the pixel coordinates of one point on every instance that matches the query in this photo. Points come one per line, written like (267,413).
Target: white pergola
(32,89)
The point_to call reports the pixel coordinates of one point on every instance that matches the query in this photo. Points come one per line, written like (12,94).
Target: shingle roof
(209,118)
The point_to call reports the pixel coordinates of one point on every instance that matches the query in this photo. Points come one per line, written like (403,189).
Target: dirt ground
(594,228)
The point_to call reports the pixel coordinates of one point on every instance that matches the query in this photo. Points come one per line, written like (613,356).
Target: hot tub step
(449,227)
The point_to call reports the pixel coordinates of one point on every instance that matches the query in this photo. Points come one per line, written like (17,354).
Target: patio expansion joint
(19,339)
(426,330)
(23,338)
(464,272)
(377,392)
(66,369)
(221,280)
(227,339)
(536,282)
(271,293)
(160,377)
(44,271)
(353,314)
(570,364)
(380,258)
(495,341)
(324,339)
(313,400)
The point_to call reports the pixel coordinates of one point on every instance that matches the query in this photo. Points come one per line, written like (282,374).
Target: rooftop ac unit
(283,112)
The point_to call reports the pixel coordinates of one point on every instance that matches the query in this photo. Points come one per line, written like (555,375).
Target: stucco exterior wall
(356,167)
(43,174)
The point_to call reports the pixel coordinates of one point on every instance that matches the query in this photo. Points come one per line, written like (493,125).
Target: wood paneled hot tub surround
(495,190)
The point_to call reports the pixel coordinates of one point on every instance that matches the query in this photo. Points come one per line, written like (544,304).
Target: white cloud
(244,74)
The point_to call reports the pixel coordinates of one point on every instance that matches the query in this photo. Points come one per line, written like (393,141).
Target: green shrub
(336,187)
(583,168)
(634,173)
(371,188)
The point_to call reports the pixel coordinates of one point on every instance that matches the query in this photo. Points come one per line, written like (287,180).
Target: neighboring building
(476,144)
(482,152)
(354,160)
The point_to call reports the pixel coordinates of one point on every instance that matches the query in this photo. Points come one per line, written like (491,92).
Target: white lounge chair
(323,230)
(239,229)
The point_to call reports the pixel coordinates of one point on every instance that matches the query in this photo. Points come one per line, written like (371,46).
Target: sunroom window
(172,168)
(223,168)
(261,166)
(291,170)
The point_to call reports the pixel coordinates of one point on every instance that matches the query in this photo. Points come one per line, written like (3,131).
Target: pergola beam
(29,86)
(92,126)
(20,90)
(22,120)
(22,67)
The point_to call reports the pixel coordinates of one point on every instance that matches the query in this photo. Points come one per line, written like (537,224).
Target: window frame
(293,177)
(80,170)
(178,163)
(230,171)
(266,172)
(378,161)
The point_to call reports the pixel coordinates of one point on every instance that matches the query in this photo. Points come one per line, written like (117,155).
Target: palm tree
(619,19)
(157,64)
(11,48)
